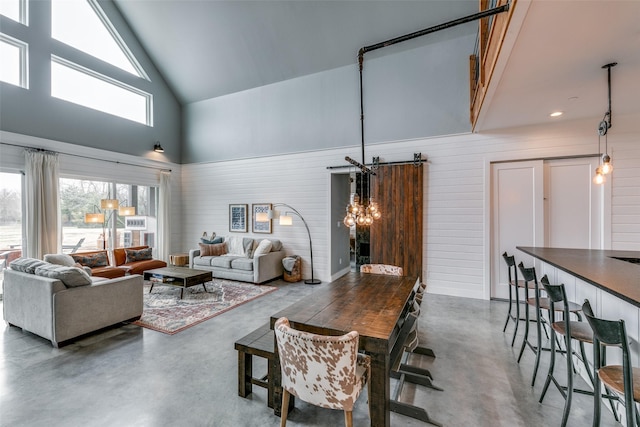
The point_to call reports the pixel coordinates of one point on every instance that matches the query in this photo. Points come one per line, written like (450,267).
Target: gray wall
(34,112)
(408,94)
(340,192)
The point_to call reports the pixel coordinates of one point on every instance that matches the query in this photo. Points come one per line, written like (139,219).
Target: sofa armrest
(267,266)
(192,254)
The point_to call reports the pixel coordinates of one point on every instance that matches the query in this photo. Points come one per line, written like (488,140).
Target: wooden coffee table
(178,276)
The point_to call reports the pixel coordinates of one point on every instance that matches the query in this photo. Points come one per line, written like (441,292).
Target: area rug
(164,311)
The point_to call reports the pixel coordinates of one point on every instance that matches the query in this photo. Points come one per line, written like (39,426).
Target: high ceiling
(551,60)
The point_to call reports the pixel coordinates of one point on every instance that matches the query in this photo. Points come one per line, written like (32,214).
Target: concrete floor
(130,376)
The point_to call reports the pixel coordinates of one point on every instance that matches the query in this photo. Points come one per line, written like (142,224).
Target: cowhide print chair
(390,270)
(325,371)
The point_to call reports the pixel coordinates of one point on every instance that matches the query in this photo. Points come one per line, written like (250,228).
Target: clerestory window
(13,61)
(15,10)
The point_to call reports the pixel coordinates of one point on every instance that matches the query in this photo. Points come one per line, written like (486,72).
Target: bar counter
(599,268)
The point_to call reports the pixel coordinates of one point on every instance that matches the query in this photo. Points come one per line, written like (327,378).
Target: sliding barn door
(396,238)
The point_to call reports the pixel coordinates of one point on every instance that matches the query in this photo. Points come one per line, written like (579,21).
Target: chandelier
(605,167)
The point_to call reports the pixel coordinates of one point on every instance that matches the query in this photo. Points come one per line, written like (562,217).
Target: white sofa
(242,266)
(49,308)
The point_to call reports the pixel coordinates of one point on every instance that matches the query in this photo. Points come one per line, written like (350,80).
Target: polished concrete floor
(130,376)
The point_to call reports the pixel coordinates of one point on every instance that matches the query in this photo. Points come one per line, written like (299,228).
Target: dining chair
(515,285)
(391,270)
(325,371)
(623,379)
(571,331)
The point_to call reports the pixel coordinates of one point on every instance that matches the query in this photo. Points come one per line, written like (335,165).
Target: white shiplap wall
(456,235)
(89,163)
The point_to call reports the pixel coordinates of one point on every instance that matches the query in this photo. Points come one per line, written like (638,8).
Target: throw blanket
(289,262)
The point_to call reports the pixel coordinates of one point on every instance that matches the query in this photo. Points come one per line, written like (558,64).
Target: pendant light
(605,167)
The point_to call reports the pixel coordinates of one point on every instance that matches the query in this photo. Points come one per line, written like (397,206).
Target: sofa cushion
(71,276)
(213,250)
(245,264)
(26,265)
(60,259)
(96,259)
(264,247)
(202,260)
(134,255)
(139,267)
(222,261)
(107,272)
(276,245)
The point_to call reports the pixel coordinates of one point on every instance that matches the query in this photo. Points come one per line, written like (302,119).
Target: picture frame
(260,226)
(238,218)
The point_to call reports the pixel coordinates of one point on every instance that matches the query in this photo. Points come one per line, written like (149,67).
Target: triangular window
(83,25)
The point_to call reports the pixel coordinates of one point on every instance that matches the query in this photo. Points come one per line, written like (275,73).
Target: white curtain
(41,203)
(164,216)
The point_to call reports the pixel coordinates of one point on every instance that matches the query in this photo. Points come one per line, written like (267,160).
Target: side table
(179,260)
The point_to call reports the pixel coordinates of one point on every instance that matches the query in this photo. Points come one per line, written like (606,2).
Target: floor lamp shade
(111,204)
(94,218)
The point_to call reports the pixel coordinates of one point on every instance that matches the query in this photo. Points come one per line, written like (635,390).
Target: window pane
(76,23)
(78,87)
(11,9)
(78,197)
(10,220)
(10,63)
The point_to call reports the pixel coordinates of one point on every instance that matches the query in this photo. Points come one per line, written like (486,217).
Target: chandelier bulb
(606,167)
(599,177)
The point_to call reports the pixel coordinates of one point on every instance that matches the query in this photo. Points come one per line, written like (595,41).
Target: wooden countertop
(597,267)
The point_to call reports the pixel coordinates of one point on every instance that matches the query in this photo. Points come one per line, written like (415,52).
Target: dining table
(371,304)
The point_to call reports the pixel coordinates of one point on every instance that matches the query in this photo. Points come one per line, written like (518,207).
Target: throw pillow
(134,255)
(71,276)
(212,241)
(213,250)
(26,265)
(264,247)
(234,246)
(99,259)
(60,259)
(276,245)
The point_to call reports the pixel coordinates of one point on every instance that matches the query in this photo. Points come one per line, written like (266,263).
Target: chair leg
(567,402)
(348,418)
(515,330)
(538,349)
(552,364)
(506,322)
(526,332)
(285,405)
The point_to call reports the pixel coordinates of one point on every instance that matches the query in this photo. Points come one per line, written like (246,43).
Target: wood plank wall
(396,239)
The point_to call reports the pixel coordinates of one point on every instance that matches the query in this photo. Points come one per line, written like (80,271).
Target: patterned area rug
(164,311)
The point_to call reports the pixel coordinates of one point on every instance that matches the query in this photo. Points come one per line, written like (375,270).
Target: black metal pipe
(399,162)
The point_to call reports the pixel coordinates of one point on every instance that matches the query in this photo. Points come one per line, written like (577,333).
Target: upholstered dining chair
(325,371)
(390,270)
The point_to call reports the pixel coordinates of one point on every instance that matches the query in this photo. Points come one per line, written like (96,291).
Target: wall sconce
(158,148)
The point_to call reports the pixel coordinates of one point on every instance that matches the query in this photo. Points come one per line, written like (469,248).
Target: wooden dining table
(371,304)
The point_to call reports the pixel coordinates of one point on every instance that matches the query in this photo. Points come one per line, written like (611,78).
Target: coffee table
(178,276)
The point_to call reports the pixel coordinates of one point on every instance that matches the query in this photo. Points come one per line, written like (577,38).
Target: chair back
(557,294)
(390,270)
(318,369)
(511,266)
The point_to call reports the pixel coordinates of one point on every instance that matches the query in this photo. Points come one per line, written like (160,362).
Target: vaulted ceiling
(551,60)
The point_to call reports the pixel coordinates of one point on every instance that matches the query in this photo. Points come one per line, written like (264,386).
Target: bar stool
(529,276)
(514,285)
(571,330)
(623,379)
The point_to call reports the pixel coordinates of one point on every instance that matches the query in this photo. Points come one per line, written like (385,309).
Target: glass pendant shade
(599,177)
(606,167)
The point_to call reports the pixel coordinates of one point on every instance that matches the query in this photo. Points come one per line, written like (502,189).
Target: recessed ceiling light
(556,114)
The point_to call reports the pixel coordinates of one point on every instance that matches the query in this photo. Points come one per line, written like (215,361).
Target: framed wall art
(260,226)
(238,218)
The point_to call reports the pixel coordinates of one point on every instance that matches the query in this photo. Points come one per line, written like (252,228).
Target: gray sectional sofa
(60,309)
(242,262)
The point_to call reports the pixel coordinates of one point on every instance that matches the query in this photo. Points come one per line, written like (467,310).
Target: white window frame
(110,80)
(24,59)
(23,12)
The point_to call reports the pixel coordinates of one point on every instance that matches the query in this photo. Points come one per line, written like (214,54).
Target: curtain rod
(84,157)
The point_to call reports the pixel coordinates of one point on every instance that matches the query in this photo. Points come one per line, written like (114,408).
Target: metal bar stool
(571,330)
(529,275)
(623,379)
(514,285)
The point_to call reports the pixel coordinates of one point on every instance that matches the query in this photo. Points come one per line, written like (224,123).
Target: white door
(573,204)
(517,216)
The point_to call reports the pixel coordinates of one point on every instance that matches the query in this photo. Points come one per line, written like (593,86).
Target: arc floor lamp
(286,219)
